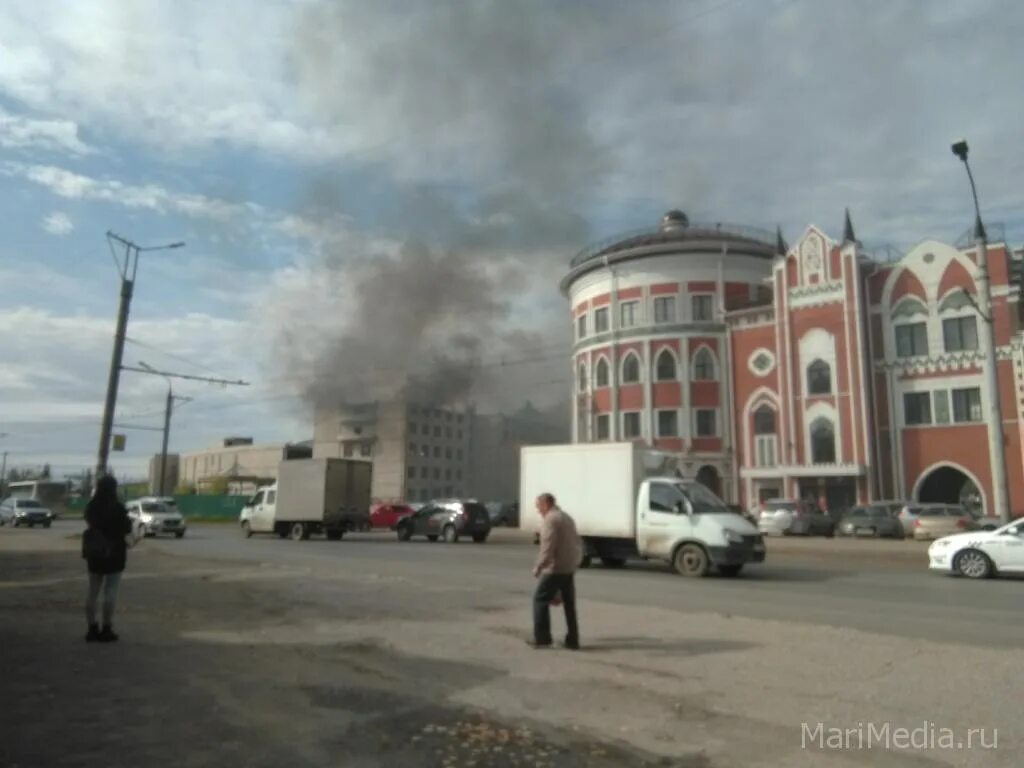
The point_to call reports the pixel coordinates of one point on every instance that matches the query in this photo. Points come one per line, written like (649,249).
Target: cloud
(58,223)
(21,132)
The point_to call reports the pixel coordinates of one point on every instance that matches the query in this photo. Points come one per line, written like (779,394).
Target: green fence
(202,507)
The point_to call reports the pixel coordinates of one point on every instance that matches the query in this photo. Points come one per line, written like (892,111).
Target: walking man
(560,554)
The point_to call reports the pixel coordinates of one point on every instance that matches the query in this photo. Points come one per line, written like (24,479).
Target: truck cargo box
(322,490)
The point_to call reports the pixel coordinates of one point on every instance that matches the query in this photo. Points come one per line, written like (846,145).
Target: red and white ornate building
(816,371)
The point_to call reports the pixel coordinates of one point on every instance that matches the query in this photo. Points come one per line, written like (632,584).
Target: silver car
(17,512)
(154,518)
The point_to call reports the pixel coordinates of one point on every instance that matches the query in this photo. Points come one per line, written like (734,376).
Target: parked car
(503,513)
(794,517)
(980,554)
(738,510)
(933,521)
(984,522)
(873,520)
(388,515)
(16,512)
(448,520)
(155,518)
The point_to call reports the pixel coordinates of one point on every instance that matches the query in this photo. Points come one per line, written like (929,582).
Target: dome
(674,219)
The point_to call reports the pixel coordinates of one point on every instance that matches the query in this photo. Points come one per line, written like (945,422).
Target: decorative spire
(780,242)
(848,236)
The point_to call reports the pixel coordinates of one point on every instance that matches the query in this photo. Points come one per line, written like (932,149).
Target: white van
(626,507)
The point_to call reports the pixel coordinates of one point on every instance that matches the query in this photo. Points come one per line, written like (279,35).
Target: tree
(45,473)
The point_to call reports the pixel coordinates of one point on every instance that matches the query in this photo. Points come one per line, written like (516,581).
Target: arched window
(581,380)
(602,379)
(666,366)
(631,369)
(819,378)
(823,441)
(764,421)
(764,436)
(703,365)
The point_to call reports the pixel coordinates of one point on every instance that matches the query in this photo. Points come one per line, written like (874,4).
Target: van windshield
(703,500)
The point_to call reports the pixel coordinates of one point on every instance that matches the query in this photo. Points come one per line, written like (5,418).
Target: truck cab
(259,513)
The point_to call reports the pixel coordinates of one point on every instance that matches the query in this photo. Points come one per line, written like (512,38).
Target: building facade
(238,465)
(847,377)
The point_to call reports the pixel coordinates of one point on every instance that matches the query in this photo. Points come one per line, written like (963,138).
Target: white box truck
(629,503)
(329,496)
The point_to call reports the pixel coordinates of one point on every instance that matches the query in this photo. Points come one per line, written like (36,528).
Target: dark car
(448,520)
(873,520)
(795,517)
(503,513)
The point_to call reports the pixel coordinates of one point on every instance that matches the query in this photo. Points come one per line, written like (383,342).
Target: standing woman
(105,551)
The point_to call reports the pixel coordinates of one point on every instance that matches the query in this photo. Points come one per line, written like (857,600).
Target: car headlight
(939,544)
(732,537)
(146,519)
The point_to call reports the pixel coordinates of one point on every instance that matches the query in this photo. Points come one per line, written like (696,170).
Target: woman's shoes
(97,635)
(107,635)
(93,635)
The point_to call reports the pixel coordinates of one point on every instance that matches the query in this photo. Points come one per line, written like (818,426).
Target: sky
(373,190)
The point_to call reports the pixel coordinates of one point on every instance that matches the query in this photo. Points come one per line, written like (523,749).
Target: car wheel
(479,538)
(47,524)
(299,532)
(179,535)
(973,564)
(613,562)
(830,533)
(404,533)
(432,537)
(450,534)
(691,560)
(334,534)
(246,529)
(730,570)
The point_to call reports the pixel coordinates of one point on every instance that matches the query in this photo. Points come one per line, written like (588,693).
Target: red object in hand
(556,600)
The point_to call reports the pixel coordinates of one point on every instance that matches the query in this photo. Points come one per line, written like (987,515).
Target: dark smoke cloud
(468,102)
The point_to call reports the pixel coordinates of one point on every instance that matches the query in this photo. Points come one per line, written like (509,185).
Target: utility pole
(996,448)
(3,476)
(169,408)
(128,272)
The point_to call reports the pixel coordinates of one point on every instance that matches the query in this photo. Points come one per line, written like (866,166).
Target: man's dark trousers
(550,585)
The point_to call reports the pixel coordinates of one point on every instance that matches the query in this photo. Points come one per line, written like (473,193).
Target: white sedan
(980,554)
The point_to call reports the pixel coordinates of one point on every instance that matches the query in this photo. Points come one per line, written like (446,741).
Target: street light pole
(128,273)
(996,447)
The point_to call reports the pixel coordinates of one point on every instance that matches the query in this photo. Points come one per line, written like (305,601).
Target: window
(631,425)
(911,339)
(631,369)
(603,426)
(437,473)
(424,473)
(602,378)
(966,405)
(581,378)
(458,454)
(448,432)
(764,421)
(349,451)
(666,367)
(448,453)
(823,442)
(581,326)
(665,309)
(940,406)
(703,365)
(412,447)
(601,320)
(437,431)
(437,452)
(458,435)
(703,307)
(764,437)
(668,424)
(271,497)
(706,426)
(447,474)
(365,449)
(762,362)
(917,408)
(819,378)
(665,498)
(628,313)
(410,473)
(960,334)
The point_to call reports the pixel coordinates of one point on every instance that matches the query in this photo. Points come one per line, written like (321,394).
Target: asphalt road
(848,584)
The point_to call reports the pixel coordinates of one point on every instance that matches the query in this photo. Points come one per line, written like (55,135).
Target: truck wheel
(404,533)
(246,529)
(730,570)
(299,532)
(613,562)
(334,534)
(450,534)
(479,538)
(691,560)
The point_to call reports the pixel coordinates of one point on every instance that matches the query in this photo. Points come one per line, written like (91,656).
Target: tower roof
(780,243)
(848,236)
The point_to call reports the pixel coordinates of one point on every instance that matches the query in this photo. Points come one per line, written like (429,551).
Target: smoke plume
(464,107)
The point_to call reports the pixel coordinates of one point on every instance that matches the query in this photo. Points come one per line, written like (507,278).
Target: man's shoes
(107,635)
(93,635)
(571,646)
(538,646)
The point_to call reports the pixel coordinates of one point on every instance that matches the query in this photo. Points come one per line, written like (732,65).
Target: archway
(949,485)
(708,476)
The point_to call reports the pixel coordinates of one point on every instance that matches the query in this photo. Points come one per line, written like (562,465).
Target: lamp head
(960,149)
